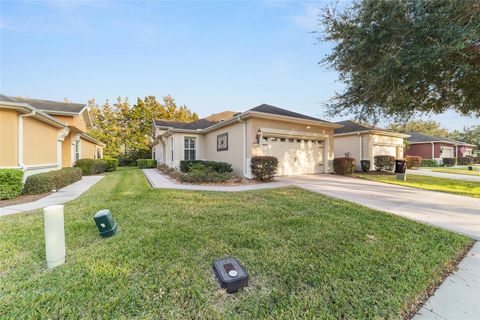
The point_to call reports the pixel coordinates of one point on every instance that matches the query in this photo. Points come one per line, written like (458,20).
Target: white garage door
(384,151)
(295,156)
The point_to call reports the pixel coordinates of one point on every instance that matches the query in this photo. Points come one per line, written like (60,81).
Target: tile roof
(420,137)
(47,105)
(266,108)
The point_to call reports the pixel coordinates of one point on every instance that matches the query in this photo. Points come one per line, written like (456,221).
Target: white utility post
(54,236)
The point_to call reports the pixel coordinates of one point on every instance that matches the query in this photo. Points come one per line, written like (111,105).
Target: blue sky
(211,56)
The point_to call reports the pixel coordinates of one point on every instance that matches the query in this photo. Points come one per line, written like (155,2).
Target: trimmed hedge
(264,168)
(429,163)
(384,163)
(413,161)
(11,181)
(146,163)
(38,183)
(112,164)
(220,167)
(199,173)
(366,165)
(91,166)
(64,177)
(53,180)
(344,166)
(449,162)
(465,161)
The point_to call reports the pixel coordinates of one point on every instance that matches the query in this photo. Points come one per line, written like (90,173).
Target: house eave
(378,132)
(443,141)
(95,141)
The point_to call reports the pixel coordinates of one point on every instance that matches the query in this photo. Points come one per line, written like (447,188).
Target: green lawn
(309,256)
(462,170)
(461,187)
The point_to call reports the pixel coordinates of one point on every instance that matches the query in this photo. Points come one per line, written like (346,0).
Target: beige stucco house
(364,142)
(40,135)
(302,144)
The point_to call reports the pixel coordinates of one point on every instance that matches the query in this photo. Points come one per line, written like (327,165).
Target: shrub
(220,167)
(131,157)
(53,180)
(384,163)
(465,161)
(344,166)
(449,162)
(146,163)
(38,183)
(91,166)
(162,167)
(429,163)
(10,183)
(64,177)
(366,165)
(413,161)
(476,160)
(264,168)
(112,164)
(199,173)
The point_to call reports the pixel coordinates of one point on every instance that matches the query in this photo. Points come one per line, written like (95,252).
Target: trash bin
(105,223)
(400,166)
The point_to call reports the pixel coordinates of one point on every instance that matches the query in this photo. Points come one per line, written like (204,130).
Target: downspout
(361,150)
(433,151)
(20,138)
(244,145)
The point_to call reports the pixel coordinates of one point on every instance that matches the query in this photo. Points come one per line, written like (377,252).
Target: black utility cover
(230,274)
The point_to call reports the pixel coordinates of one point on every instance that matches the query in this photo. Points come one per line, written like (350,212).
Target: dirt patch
(22,199)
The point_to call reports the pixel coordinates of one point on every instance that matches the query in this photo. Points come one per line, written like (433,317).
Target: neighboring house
(431,147)
(301,143)
(364,142)
(40,135)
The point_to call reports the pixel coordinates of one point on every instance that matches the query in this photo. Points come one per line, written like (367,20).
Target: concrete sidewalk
(63,195)
(458,297)
(426,172)
(159,181)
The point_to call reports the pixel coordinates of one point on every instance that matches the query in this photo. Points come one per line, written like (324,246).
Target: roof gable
(266,108)
(352,126)
(194,125)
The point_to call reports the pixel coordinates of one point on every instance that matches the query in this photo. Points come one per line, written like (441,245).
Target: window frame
(188,149)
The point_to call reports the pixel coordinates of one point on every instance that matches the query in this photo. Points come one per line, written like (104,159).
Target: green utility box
(105,223)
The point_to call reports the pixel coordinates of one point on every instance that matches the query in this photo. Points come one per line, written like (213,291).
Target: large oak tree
(398,58)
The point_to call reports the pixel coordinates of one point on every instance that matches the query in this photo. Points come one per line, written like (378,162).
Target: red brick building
(431,147)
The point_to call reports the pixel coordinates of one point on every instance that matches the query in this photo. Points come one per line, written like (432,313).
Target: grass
(461,170)
(309,256)
(460,187)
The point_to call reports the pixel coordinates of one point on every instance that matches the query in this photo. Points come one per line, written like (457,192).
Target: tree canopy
(124,128)
(398,58)
(470,135)
(428,127)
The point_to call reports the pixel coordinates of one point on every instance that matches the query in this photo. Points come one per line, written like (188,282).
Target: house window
(77,150)
(189,148)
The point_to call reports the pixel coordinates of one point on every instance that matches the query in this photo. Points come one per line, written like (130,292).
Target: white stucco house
(364,142)
(302,144)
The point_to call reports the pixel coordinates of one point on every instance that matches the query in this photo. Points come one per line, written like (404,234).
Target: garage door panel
(385,151)
(295,156)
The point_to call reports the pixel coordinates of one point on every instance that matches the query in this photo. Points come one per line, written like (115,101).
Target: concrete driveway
(452,212)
